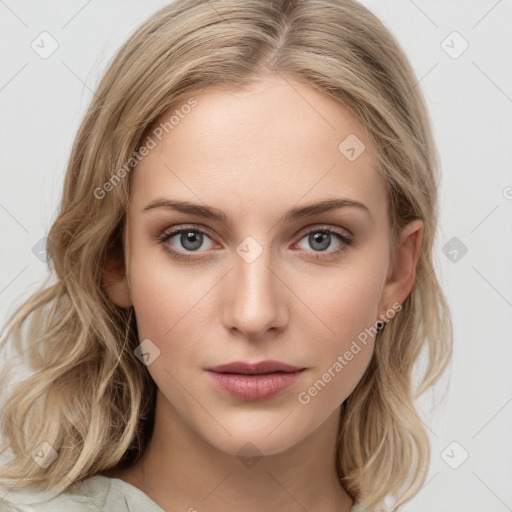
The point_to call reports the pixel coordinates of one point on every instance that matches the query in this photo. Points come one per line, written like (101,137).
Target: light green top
(96,493)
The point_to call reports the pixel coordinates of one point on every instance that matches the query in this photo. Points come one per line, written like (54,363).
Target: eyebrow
(296,213)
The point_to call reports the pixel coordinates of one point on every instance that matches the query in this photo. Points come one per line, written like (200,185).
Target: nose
(256,298)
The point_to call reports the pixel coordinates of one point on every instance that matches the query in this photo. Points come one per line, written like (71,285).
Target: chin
(259,434)
(254,445)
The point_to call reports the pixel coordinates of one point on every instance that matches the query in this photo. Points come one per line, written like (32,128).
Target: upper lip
(253,368)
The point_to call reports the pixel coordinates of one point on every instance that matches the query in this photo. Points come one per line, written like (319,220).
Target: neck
(180,470)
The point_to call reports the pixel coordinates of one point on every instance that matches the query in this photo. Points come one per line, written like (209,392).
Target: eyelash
(341,236)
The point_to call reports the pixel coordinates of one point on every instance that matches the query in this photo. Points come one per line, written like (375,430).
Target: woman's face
(258,273)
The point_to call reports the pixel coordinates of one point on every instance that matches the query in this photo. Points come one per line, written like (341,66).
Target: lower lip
(255,387)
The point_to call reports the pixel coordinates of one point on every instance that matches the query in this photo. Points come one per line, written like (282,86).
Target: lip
(260,367)
(254,381)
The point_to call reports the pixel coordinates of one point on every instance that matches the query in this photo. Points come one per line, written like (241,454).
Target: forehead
(276,141)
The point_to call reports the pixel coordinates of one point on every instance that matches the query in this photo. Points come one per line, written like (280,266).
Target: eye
(320,240)
(183,242)
(189,239)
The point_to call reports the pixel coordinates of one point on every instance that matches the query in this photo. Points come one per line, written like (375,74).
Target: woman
(243,274)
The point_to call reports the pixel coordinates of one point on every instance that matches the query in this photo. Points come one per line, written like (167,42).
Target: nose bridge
(255,302)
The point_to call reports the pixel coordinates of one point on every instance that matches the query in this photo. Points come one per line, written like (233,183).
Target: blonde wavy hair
(88,396)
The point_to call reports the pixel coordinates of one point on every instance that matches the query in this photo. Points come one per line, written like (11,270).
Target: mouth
(259,368)
(254,381)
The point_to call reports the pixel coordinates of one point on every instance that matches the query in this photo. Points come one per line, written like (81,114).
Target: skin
(255,155)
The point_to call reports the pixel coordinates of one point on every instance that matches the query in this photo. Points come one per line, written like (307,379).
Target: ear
(115,281)
(402,268)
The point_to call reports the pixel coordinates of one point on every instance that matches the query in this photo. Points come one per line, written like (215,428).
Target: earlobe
(115,284)
(402,271)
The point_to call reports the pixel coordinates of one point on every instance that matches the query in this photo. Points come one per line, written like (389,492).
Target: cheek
(171,306)
(347,309)
(162,300)
(347,300)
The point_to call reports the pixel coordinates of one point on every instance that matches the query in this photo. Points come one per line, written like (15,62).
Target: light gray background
(470,98)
